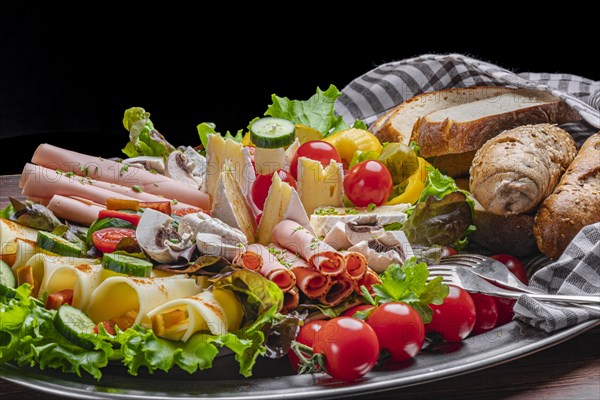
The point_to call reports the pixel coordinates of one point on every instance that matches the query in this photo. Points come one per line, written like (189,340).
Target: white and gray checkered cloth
(578,270)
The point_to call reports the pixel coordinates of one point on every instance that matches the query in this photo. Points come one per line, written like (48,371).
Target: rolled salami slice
(258,258)
(356,265)
(342,286)
(291,299)
(295,238)
(308,279)
(74,210)
(368,280)
(113,172)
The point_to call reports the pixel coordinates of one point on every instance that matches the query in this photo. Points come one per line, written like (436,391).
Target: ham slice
(356,265)
(295,238)
(308,279)
(110,171)
(74,210)
(43,183)
(258,258)
(341,287)
(291,299)
(371,278)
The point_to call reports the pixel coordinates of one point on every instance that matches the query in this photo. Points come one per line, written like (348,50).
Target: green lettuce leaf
(317,112)
(440,185)
(408,283)
(205,129)
(7,212)
(144,139)
(360,156)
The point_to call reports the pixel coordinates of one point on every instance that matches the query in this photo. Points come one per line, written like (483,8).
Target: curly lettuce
(144,139)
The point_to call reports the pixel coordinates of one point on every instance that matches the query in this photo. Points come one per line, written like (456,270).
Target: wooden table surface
(570,370)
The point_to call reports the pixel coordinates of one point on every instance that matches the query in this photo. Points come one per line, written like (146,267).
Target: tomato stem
(309,361)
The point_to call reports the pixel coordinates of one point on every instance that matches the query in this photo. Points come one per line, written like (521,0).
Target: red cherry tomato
(355,309)
(455,318)
(107,239)
(399,329)
(306,336)
(262,184)
(350,348)
(368,182)
(317,150)
(448,251)
(134,219)
(514,265)
(505,310)
(487,313)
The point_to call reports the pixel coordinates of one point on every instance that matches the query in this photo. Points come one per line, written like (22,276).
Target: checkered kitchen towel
(372,94)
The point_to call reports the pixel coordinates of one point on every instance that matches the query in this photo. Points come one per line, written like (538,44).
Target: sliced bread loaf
(396,125)
(466,127)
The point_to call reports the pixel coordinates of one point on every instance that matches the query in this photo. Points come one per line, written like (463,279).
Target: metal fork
(465,278)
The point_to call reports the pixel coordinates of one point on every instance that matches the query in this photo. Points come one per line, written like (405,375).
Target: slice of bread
(396,125)
(466,127)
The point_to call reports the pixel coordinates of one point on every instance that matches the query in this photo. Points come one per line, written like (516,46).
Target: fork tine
(461,263)
(470,256)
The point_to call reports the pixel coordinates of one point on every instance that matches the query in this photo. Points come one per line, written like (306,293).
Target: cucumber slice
(58,245)
(271,133)
(127,265)
(105,223)
(74,324)
(8,282)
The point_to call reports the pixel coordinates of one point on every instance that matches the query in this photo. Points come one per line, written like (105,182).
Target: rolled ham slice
(44,183)
(368,280)
(75,210)
(341,287)
(356,265)
(258,258)
(109,171)
(291,299)
(308,279)
(293,237)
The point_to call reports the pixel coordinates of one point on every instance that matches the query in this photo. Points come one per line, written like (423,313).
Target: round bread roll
(515,171)
(574,203)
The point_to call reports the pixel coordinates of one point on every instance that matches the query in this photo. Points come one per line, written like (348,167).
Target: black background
(66,77)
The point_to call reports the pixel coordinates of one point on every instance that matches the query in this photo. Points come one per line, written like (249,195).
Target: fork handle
(589,299)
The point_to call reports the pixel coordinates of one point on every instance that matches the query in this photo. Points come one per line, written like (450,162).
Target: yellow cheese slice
(10,231)
(318,186)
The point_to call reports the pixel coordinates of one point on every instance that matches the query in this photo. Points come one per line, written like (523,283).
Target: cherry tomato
(134,219)
(448,251)
(455,318)
(514,265)
(362,307)
(306,336)
(262,184)
(57,299)
(107,239)
(399,329)
(368,182)
(350,348)
(487,313)
(109,327)
(505,310)
(317,150)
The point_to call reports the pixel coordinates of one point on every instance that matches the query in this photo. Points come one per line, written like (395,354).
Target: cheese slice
(282,203)
(231,206)
(318,186)
(10,231)
(324,219)
(218,150)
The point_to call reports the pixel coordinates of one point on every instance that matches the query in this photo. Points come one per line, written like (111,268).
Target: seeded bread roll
(515,171)
(574,203)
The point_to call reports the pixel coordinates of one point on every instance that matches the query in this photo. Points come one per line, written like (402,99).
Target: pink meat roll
(75,210)
(258,258)
(341,287)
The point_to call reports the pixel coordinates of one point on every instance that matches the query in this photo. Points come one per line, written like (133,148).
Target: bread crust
(574,203)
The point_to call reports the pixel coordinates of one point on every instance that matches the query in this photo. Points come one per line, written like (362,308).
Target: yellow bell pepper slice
(306,133)
(246,141)
(347,142)
(414,187)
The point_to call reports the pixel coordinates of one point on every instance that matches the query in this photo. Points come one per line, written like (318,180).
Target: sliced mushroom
(33,215)
(179,168)
(147,162)
(159,239)
(390,248)
(361,228)
(378,261)
(198,163)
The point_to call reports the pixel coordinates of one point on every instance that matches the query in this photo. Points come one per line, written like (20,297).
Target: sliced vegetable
(306,133)
(272,133)
(350,141)
(185,211)
(413,187)
(134,219)
(113,203)
(127,265)
(58,245)
(162,206)
(74,325)
(107,239)
(103,224)
(144,139)
(400,160)
(57,299)
(8,281)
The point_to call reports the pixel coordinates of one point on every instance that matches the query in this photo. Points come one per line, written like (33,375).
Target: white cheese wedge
(218,150)
(318,186)
(324,218)
(282,203)
(231,206)
(290,152)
